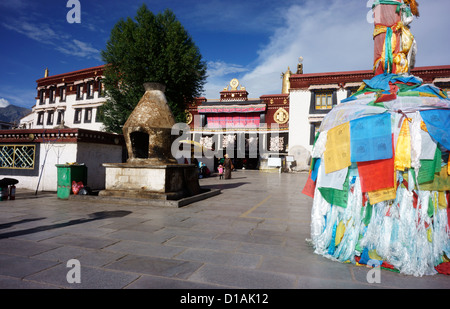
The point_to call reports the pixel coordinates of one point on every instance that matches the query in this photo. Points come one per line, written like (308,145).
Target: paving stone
(221,258)
(81,241)
(90,277)
(170,268)
(145,248)
(154,282)
(243,278)
(20,267)
(7,283)
(24,247)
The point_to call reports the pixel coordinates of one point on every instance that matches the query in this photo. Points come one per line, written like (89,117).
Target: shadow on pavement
(92,217)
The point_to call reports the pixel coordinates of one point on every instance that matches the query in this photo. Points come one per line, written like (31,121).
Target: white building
(70,100)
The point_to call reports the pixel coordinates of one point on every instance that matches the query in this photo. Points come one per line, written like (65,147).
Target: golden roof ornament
(286,83)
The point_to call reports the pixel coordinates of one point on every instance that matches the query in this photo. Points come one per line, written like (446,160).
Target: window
(315,126)
(90,90)
(62,94)
(50,115)
(52,95)
(101,89)
(40,119)
(60,118)
(17,156)
(77,118)
(324,100)
(42,96)
(79,92)
(88,115)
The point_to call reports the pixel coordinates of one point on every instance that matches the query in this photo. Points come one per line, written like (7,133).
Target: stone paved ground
(251,236)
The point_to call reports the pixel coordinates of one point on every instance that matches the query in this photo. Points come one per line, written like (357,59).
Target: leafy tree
(150,48)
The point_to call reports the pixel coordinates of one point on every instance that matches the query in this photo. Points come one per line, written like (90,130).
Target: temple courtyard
(251,236)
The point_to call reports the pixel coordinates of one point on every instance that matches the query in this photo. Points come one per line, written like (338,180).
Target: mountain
(12,113)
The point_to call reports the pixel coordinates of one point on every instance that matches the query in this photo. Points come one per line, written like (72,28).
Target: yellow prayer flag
(403,149)
(340,230)
(382,195)
(442,200)
(337,149)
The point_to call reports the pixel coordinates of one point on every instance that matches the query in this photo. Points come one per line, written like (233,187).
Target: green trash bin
(67,173)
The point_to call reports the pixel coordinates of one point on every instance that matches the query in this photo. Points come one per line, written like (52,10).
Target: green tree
(150,48)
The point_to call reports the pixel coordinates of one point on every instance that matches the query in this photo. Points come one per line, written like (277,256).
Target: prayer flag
(376,175)
(337,149)
(438,125)
(371,138)
(403,150)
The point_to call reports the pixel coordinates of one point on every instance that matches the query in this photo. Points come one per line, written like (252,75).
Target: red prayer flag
(310,186)
(376,175)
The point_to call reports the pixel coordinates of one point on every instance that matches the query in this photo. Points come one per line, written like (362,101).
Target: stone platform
(164,185)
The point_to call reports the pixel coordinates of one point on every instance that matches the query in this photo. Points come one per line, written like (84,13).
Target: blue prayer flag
(371,138)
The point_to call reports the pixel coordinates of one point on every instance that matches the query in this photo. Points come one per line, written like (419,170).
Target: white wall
(91,154)
(299,126)
(61,153)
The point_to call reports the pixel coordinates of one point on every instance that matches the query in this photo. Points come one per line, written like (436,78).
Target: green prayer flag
(336,197)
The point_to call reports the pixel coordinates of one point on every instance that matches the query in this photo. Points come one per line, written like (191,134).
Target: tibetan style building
(250,131)
(68,100)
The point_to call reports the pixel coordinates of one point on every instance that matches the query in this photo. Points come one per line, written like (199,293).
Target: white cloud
(331,36)
(79,49)
(3,103)
(336,36)
(219,74)
(44,34)
(221,68)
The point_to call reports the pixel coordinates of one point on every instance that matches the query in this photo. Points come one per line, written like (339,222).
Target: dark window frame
(40,118)
(90,90)
(62,93)
(88,115)
(312,107)
(101,89)
(78,115)
(50,117)
(52,95)
(60,117)
(312,131)
(42,97)
(79,92)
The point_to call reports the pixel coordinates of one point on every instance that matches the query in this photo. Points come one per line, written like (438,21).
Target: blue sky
(254,41)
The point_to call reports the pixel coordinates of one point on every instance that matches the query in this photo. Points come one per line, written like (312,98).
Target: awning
(350,85)
(254,108)
(323,87)
(442,80)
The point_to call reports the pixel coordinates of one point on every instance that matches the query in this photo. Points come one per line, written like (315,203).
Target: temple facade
(251,131)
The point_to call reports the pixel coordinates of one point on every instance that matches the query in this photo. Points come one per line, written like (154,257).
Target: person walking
(220,169)
(228,165)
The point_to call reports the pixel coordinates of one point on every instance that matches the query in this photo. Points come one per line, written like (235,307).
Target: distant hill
(12,113)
